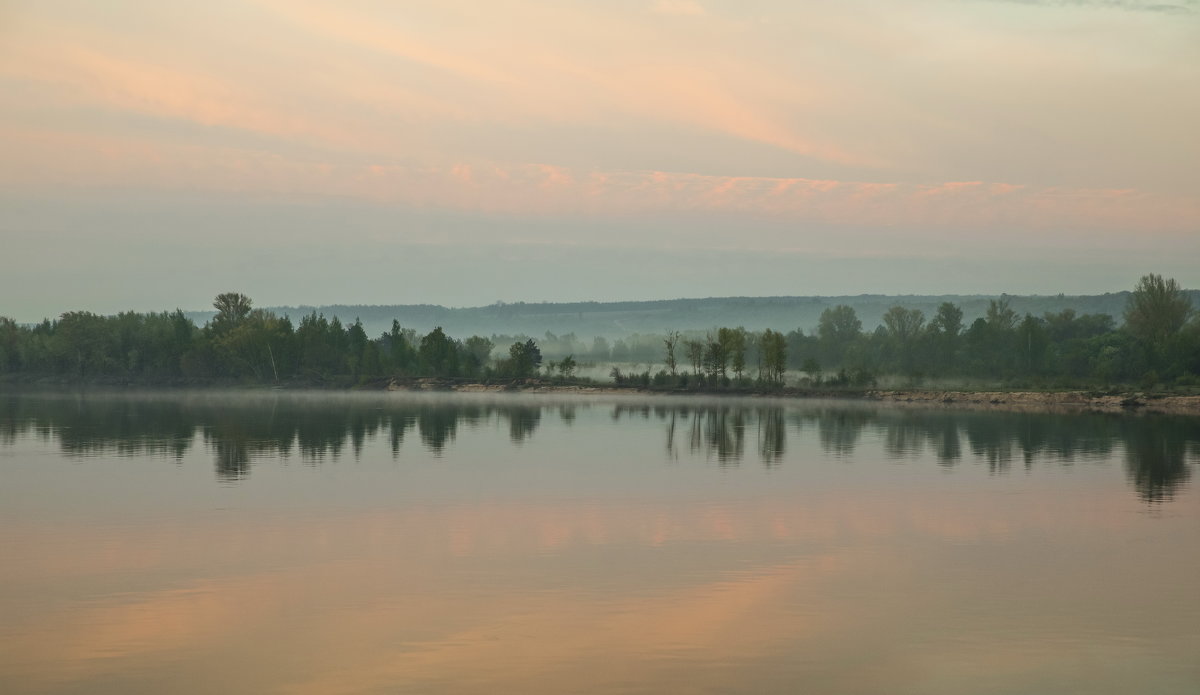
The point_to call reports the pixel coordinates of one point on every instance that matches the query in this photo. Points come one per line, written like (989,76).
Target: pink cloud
(546,189)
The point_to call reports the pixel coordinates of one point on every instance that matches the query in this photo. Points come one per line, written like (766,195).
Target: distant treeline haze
(615,320)
(1157,344)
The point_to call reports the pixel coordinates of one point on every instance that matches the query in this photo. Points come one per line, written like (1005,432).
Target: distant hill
(620,319)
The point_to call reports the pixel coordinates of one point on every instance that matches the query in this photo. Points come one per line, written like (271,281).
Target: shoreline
(1081,401)
(1077,400)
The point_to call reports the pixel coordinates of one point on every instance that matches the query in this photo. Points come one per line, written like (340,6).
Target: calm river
(385,543)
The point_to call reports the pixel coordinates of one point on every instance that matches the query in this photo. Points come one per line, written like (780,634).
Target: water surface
(386,543)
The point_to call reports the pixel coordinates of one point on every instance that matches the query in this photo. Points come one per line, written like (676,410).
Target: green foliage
(1000,315)
(480,349)
(838,330)
(10,337)
(567,366)
(716,354)
(839,325)
(1158,347)
(735,347)
(670,342)
(397,351)
(438,354)
(903,331)
(523,359)
(695,353)
(949,320)
(903,325)
(247,346)
(774,356)
(1157,311)
(318,342)
(232,308)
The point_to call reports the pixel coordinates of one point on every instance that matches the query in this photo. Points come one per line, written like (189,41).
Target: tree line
(1158,344)
(246,344)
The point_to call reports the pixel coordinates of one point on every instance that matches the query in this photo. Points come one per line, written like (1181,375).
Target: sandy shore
(997,400)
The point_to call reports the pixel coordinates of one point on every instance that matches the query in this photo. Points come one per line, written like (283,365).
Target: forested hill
(620,319)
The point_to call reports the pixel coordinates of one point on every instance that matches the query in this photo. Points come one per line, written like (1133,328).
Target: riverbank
(1074,400)
(991,400)
(1045,400)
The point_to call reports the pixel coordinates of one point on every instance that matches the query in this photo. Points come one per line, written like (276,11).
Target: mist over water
(279,542)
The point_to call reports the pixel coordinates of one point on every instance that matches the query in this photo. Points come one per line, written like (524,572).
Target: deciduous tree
(1157,309)
(670,342)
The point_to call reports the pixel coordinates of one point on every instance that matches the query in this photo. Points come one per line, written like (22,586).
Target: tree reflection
(839,429)
(233,461)
(945,440)
(97,425)
(437,425)
(522,422)
(725,433)
(397,424)
(1156,456)
(671,420)
(993,440)
(240,431)
(772,435)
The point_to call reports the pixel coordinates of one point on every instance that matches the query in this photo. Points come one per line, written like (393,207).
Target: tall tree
(524,358)
(837,330)
(903,324)
(10,338)
(716,353)
(670,342)
(1157,309)
(1000,316)
(255,346)
(946,328)
(839,325)
(398,347)
(438,353)
(356,338)
(903,327)
(232,308)
(695,352)
(773,346)
(479,351)
(734,340)
(949,320)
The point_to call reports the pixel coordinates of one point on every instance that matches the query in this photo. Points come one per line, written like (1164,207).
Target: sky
(463,153)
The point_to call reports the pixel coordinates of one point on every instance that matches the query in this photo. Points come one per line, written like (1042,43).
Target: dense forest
(1156,345)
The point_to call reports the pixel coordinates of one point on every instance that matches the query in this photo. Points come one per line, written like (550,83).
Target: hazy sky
(156,153)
